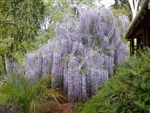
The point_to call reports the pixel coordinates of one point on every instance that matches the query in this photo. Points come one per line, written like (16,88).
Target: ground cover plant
(126,92)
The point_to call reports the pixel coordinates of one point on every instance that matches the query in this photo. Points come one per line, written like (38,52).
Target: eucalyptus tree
(133,5)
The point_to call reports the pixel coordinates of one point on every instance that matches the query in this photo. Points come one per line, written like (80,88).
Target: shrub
(29,97)
(126,92)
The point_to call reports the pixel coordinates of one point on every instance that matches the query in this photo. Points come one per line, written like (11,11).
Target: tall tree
(133,5)
(19,24)
(56,9)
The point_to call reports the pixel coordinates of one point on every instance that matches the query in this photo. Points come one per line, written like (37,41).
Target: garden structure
(139,31)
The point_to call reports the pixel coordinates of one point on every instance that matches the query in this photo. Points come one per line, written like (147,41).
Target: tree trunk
(134,7)
(7,64)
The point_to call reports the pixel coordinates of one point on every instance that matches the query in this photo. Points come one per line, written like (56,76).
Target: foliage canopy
(19,23)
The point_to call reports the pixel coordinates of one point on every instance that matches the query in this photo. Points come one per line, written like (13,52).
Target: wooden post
(148,36)
(138,42)
(131,47)
(144,37)
(148,32)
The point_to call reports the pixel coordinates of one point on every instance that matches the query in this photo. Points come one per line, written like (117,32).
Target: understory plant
(28,96)
(128,91)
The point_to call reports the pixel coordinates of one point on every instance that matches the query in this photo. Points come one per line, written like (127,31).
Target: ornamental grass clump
(28,96)
(128,91)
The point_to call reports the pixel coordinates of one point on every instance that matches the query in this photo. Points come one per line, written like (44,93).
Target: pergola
(139,30)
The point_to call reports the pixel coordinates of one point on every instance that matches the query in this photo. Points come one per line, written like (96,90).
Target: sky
(107,3)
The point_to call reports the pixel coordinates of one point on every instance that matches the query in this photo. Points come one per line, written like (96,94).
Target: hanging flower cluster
(81,56)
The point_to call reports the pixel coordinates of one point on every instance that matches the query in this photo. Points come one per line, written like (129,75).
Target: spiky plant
(27,96)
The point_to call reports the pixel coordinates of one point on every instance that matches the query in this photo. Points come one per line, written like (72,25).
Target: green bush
(128,91)
(27,96)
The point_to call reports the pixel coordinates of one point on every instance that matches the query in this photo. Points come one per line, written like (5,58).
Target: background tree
(55,10)
(19,24)
(133,5)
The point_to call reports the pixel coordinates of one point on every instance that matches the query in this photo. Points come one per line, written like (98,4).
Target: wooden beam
(143,11)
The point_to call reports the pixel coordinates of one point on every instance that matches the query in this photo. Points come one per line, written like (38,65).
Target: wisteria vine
(82,55)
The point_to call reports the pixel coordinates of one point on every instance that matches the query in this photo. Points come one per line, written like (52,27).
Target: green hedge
(128,91)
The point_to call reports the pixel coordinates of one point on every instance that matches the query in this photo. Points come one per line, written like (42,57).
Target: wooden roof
(142,19)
